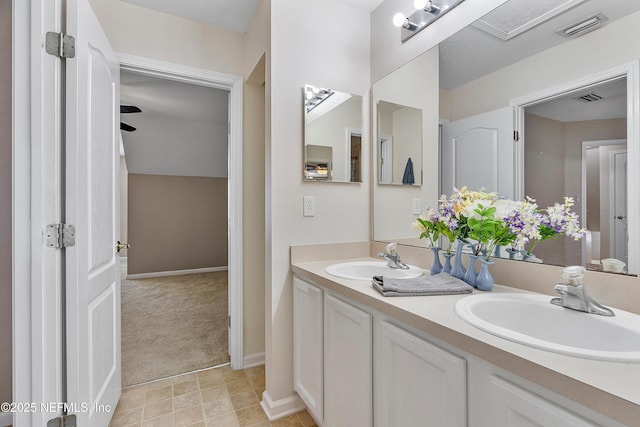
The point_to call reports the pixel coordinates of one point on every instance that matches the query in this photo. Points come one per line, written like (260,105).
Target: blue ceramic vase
(471,275)
(436,267)
(447,263)
(484,281)
(458,271)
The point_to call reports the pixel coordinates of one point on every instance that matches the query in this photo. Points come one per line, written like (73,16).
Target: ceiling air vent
(590,97)
(584,26)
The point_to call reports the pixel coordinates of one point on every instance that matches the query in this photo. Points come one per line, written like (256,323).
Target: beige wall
(176,223)
(553,167)
(5,202)
(148,33)
(342,210)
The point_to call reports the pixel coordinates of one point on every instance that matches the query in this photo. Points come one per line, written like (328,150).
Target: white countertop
(611,388)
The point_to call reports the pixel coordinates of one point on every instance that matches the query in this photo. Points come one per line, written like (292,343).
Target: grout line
(177,375)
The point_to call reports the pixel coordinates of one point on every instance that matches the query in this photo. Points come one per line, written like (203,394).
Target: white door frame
(351,132)
(234,84)
(631,71)
(36,149)
(583,185)
(386,155)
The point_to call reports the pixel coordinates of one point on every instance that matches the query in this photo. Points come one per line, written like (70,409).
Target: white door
(619,203)
(477,152)
(92,205)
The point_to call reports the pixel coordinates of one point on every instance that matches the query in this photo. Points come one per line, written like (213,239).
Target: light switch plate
(309,206)
(417,207)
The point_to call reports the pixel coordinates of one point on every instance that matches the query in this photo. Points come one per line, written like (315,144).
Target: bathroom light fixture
(427,12)
(314,96)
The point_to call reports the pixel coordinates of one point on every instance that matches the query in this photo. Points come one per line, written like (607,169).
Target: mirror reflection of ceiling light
(314,96)
(427,12)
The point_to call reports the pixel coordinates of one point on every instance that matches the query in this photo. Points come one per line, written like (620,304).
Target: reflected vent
(590,97)
(584,26)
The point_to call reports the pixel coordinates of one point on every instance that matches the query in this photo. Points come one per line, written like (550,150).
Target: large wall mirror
(568,95)
(332,135)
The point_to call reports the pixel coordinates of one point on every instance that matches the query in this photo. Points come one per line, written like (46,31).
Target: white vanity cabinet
(347,364)
(415,382)
(308,372)
(332,357)
(357,367)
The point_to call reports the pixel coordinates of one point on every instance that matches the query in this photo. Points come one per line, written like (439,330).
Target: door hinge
(63,421)
(60,45)
(516,136)
(60,236)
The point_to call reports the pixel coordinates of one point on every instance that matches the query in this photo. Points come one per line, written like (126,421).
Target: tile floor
(217,397)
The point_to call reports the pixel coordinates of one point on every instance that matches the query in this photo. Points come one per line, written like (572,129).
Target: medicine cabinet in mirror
(332,135)
(512,72)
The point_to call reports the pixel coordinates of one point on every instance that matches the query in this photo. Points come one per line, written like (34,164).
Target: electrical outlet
(417,207)
(309,206)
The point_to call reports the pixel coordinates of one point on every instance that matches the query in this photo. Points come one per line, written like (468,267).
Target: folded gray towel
(440,284)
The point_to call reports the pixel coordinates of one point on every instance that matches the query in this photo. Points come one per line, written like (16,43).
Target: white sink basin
(531,320)
(365,270)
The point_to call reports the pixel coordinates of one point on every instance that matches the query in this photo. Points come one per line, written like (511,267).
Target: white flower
(469,211)
(503,208)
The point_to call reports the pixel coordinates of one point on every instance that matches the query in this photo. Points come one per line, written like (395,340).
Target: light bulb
(420,4)
(399,19)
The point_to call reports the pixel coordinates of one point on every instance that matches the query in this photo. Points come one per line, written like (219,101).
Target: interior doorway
(569,138)
(228,249)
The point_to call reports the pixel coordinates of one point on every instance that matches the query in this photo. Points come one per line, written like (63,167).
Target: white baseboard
(175,273)
(280,408)
(6,418)
(255,359)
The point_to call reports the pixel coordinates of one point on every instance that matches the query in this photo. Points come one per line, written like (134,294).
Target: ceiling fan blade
(126,127)
(129,109)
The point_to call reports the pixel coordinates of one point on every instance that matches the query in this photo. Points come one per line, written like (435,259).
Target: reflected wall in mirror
(575,145)
(332,135)
(399,144)
(483,75)
(405,109)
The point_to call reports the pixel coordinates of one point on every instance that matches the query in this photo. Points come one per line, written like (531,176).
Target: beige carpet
(172,325)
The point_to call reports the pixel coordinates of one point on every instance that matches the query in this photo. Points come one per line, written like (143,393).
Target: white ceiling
(233,15)
(181,131)
(613,104)
(472,52)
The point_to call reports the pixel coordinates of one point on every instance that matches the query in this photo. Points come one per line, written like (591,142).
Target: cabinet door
(308,345)
(347,365)
(514,406)
(417,383)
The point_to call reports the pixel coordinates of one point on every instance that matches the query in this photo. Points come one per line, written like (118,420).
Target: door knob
(120,246)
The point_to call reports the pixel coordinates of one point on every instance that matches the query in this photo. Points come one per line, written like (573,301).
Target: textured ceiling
(613,104)
(472,52)
(181,131)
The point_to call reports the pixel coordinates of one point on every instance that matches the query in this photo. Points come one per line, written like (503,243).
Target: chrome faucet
(577,298)
(392,257)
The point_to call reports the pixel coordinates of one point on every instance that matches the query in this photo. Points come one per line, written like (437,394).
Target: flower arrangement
(492,221)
